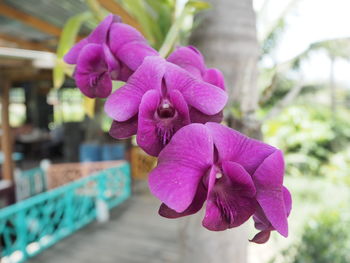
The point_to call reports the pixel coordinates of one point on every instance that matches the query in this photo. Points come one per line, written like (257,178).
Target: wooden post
(6,140)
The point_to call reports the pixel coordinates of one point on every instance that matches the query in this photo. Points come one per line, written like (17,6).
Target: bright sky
(311,21)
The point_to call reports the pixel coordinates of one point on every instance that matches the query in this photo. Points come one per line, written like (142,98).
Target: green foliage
(279,82)
(148,18)
(308,137)
(272,40)
(163,20)
(198,5)
(164,14)
(337,168)
(325,239)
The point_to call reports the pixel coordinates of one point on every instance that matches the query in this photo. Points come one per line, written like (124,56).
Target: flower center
(165,110)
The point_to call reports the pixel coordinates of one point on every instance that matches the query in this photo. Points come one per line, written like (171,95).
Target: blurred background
(286,65)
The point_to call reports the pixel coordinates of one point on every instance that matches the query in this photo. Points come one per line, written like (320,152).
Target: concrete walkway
(134,234)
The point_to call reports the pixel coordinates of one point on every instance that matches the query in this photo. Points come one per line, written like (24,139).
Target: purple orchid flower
(234,174)
(155,103)
(191,59)
(113,51)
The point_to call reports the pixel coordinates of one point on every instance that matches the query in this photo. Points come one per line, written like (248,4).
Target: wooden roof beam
(27,19)
(115,8)
(25,43)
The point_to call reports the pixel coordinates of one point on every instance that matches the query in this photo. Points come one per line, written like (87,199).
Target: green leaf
(89,106)
(172,35)
(143,14)
(164,10)
(198,5)
(67,40)
(117,85)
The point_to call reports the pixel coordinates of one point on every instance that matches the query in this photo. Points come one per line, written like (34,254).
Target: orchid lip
(165,134)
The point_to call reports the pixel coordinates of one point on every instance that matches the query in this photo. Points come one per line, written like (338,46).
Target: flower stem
(173,34)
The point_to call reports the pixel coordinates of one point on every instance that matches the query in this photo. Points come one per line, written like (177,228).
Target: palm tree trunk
(200,245)
(227,37)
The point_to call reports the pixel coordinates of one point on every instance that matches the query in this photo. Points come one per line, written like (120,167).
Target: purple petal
(147,137)
(261,237)
(236,147)
(268,179)
(100,33)
(181,166)
(287,200)
(194,207)
(129,46)
(179,103)
(124,102)
(112,63)
(189,59)
(71,57)
(214,77)
(242,182)
(203,96)
(91,72)
(230,199)
(198,117)
(260,220)
(121,130)
(122,34)
(133,54)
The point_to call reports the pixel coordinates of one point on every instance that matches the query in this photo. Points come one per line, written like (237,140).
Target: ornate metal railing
(35,224)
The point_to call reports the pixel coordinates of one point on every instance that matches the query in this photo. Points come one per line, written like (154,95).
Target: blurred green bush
(315,141)
(326,239)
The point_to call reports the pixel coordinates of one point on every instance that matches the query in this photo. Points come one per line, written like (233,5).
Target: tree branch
(287,99)
(267,93)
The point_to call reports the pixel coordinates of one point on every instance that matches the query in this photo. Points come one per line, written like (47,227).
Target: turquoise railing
(32,225)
